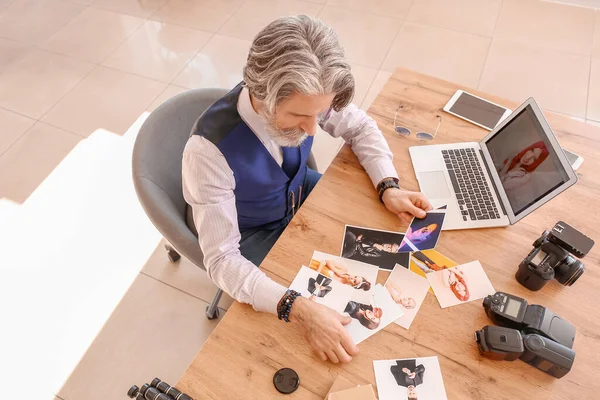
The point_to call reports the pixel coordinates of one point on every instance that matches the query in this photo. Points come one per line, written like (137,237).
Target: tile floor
(75,75)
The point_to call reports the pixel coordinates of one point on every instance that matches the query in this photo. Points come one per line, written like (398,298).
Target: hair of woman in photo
(367,315)
(532,161)
(350,280)
(422,234)
(459,286)
(427,261)
(367,323)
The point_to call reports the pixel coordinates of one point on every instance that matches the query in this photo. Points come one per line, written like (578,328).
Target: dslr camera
(552,257)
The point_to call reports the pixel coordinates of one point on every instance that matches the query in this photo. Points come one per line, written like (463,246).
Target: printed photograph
(371,316)
(372,246)
(321,289)
(460,284)
(410,378)
(408,290)
(359,276)
(423,234)
(424,262)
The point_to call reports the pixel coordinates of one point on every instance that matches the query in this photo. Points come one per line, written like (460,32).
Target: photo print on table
(371,316)
(410,378)
(361,277)
(375,247)
(426,261)
(322,289)
(423,234)
(460,284)
(408,290)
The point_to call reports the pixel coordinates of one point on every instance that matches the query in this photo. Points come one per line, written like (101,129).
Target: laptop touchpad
(434,185)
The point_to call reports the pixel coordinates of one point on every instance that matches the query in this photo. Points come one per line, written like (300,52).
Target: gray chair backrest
(157,158)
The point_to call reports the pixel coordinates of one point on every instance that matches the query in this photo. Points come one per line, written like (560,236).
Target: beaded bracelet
(285,305)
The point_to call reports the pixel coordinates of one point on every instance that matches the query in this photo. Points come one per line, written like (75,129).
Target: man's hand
(406,204)
(324,330)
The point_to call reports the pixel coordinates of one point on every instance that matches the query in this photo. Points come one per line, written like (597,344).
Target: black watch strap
(385,185)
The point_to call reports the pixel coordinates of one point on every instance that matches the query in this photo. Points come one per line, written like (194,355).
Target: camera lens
(569,271)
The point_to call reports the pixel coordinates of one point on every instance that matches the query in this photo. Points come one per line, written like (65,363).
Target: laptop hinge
(493,182)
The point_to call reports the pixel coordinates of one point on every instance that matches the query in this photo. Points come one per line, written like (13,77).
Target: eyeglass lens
(402,131)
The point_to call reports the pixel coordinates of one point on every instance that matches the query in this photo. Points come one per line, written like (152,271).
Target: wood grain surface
(239,359)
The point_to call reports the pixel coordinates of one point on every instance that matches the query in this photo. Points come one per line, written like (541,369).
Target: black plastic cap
(155,382)
(286,380)
(133,391)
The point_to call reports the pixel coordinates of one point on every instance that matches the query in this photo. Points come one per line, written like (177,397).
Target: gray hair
(301,55)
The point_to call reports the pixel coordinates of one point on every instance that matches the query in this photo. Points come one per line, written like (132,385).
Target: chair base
(173,255)
(212,311)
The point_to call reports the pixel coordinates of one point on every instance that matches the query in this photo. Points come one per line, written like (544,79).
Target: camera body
(552,257)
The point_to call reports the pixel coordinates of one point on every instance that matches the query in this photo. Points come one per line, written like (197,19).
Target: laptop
(513,171)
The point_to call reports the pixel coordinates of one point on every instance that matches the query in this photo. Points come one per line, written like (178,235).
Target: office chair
(157,155)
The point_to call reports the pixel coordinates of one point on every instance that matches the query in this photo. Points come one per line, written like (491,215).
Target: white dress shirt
(208,187)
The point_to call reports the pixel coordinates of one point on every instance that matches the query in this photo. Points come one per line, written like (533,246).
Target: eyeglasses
(405,132)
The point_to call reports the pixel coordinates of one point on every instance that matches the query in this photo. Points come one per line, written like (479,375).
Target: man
(245,174)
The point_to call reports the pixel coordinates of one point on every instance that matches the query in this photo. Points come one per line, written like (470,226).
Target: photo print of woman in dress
(423,234)
(337,271)
(453,277)
(374,247)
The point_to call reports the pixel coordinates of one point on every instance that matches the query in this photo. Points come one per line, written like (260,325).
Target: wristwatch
(386,184)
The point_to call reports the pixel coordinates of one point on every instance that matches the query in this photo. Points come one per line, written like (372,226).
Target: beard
(290,137)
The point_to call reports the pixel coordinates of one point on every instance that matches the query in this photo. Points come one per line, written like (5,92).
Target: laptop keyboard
(470,186)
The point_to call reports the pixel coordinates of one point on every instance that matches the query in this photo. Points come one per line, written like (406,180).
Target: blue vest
(263,191)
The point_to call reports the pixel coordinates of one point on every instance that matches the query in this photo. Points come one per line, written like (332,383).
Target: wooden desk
(240,357)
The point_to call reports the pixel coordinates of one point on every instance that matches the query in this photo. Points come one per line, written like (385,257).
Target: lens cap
(286,380)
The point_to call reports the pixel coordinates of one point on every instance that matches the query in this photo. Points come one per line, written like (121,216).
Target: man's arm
(373,152)
(208,185)
(368,143)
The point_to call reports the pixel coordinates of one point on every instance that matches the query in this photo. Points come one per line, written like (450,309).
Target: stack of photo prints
(347,284)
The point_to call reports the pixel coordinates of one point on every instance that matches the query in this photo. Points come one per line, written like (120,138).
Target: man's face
(296,117)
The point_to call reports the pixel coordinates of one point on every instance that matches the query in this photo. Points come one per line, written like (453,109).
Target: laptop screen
(525,160)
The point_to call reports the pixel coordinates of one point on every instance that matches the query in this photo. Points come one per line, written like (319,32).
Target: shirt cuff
(267,295)
(380,170)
